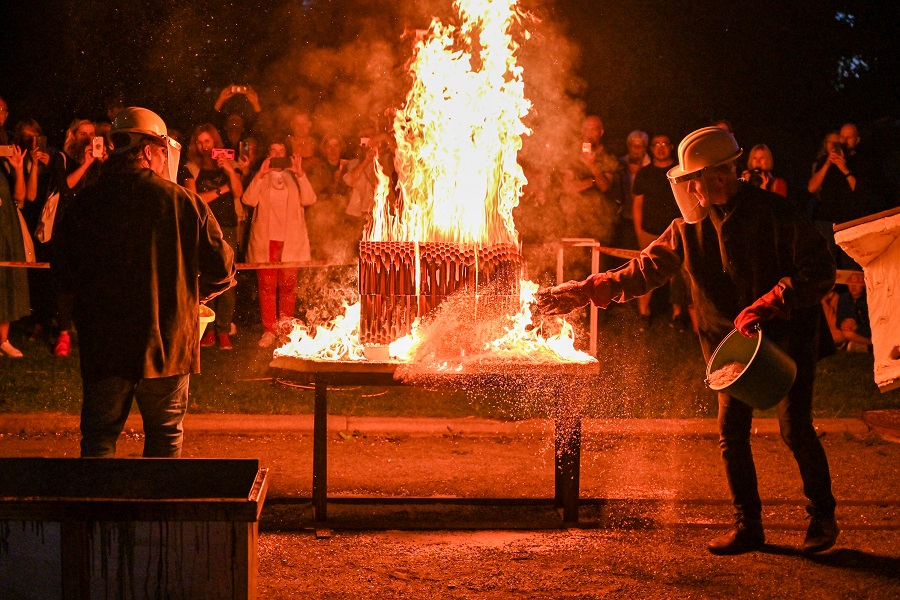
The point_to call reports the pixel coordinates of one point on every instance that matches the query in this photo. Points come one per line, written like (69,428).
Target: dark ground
(653,494)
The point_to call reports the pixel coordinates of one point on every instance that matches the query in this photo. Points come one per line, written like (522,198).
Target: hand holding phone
(226,153)
(280,162)
(98,148)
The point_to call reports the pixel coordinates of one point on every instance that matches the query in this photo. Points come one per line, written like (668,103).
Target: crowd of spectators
(303,194)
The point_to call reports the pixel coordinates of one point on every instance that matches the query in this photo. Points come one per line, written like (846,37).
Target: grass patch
(658,374)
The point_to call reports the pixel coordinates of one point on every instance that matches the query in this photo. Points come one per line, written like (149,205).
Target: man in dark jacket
(139,254)
(753,260)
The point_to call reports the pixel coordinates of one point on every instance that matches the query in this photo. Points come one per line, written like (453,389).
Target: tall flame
(459,133)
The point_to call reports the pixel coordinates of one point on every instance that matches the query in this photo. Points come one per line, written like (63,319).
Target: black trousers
(797,431)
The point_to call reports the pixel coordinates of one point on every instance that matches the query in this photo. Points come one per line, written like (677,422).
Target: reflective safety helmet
(699,151)
(137,122)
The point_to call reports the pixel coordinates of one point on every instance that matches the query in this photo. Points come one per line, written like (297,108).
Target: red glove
(564,298)
(769,306)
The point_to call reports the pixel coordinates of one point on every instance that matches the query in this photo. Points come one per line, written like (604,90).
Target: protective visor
(688,203)
(173,158)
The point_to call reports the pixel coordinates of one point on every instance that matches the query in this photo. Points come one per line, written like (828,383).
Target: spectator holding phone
(759,171)
(216,179)
(14,301)
(72,170)
(834,183)
(279,193)
(37,175)
(233,114)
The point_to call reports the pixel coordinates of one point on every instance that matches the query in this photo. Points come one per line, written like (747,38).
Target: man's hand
(769,306)
(561,299)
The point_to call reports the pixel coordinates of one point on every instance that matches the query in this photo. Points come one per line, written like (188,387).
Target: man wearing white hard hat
(139,253)
(754,261)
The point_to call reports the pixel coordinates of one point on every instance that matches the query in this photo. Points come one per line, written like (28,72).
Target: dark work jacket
(738,253)
(139,254)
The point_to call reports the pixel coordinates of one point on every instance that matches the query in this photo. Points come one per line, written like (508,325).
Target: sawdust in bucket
(726,374)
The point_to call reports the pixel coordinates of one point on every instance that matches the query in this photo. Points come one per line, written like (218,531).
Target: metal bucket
(207,316)
(766,379)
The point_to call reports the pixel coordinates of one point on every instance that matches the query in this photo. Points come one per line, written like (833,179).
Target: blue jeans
(107,402)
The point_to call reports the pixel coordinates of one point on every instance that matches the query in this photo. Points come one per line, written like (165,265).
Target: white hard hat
(700,150)
(137,122)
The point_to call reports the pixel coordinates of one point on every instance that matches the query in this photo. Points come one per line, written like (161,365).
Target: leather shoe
(746,536)
(821,535)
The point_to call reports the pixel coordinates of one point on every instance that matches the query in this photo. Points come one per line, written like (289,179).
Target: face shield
(688,202)
(173,158)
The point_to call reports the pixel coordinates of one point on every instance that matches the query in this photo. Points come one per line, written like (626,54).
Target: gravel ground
(651,501)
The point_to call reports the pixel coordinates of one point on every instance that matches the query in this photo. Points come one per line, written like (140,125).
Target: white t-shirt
(278,203)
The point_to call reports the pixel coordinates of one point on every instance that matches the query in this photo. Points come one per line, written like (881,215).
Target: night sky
(783,72)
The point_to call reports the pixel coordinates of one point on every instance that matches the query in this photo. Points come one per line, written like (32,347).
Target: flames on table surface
(438,282)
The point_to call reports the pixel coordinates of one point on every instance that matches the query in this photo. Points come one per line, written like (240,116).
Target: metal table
(567,418)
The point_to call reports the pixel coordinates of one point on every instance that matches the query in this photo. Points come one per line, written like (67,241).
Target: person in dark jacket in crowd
(139,254)
(754,261)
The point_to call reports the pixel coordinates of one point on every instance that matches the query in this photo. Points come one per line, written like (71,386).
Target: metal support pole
(320,450)
(595,268)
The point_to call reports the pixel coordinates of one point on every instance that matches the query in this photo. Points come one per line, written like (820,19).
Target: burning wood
(447,238)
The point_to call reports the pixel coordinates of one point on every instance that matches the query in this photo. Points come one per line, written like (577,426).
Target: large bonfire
(458,135)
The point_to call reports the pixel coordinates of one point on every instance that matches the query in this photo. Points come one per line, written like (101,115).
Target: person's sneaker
(63,344)
(208,340)
(7,349)
(225,342)
(746,536)
(267,339)
(821,535)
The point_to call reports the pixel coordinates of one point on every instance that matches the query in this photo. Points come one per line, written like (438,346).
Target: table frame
(567,430)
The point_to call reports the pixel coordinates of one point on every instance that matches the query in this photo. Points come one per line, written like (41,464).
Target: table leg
(567,451)
(320,450)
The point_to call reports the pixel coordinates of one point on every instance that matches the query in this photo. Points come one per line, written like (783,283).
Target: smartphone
(586,147)
(245,149)
(239,89)
(97,147)
(364,142)
(279,162)
(218,153)
(6,150)
(40,142)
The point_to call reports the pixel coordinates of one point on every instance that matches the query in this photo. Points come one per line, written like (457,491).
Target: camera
(6,150)
(218,153)
(280,162)
(756,177)
(586,147)
(364,142)
(97,147)
(40,142)
(239,89)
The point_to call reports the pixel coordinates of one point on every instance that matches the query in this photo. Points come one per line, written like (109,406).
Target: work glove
(566,297)
(769,306)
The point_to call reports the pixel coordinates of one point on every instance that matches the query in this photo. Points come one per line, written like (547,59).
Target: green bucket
(766,379)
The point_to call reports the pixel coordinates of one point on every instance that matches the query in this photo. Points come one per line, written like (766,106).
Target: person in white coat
(279,193)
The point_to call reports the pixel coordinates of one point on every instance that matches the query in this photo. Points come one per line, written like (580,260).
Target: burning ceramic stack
(399,281)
